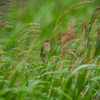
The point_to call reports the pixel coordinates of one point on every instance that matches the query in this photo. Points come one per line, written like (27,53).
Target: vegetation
(72,68)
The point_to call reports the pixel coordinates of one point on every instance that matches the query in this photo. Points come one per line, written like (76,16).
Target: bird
(45,50)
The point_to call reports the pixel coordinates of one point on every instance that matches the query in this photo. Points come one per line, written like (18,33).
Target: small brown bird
(45,49)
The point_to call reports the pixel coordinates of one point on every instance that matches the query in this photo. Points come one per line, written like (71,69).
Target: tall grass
(72,68)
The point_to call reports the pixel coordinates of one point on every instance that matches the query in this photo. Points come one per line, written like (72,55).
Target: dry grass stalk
(6,2)
(27,29)
(26,33)
(91,23)
(4,6)
(66,11)
(65,37)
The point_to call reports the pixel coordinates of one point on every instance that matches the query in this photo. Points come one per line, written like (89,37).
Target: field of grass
(71,71)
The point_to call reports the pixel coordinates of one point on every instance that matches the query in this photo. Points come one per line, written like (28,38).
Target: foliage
(72,68)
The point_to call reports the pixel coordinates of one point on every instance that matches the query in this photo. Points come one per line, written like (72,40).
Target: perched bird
(45,49)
